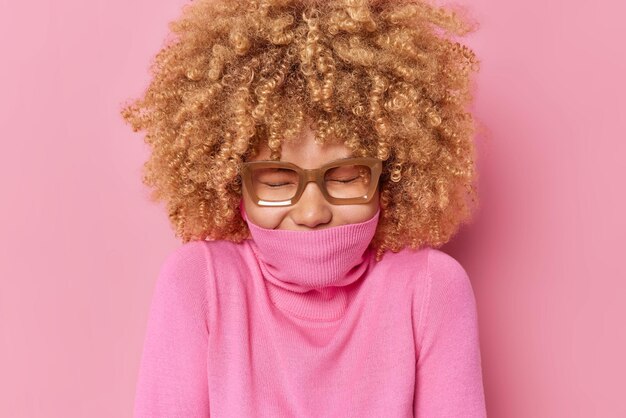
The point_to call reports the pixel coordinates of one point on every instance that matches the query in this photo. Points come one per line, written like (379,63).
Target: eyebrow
(327,162)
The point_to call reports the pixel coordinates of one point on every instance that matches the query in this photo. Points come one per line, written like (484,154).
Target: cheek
(268,218)
(358,213)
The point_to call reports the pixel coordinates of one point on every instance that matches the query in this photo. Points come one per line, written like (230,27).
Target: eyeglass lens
(280,184)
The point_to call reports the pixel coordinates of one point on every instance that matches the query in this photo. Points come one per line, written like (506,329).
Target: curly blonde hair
(385,77)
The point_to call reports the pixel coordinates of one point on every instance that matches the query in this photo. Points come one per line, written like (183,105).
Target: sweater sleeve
(172,380)
(448,375)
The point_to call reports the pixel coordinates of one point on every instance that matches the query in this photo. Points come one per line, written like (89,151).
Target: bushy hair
(385,77)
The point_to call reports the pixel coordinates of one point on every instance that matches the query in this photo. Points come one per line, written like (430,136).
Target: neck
(311,273)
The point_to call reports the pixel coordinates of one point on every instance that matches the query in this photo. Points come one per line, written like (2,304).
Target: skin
(312,211)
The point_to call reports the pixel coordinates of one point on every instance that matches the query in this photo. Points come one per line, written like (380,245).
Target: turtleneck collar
(309,273)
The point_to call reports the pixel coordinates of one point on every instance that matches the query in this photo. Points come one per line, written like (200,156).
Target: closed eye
(276,184)
(345,181)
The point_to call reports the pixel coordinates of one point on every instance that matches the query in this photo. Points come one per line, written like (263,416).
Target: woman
(312,155)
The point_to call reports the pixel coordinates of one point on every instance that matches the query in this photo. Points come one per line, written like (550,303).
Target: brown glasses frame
(316,175)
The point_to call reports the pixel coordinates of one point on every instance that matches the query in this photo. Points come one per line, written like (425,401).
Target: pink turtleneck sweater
(260,329)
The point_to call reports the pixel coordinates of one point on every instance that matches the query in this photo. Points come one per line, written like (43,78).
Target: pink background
(82,245)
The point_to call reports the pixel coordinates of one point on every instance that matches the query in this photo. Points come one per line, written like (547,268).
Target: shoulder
(448,297)
(201,265)
(436,281)
(183,270)
(443,267)
(189,253)
(180,290)
(195,261)
(426,263)
(447,277)
(407,260)
(402,273)
(194,255)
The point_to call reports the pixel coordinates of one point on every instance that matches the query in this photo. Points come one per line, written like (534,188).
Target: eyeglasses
(347,181)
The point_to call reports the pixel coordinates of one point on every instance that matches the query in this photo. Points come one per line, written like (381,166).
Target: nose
(312,209)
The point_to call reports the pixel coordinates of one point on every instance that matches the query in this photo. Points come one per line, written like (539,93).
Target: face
(312,211)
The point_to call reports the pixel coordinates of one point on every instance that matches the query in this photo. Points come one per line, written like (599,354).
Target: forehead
(305,152)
